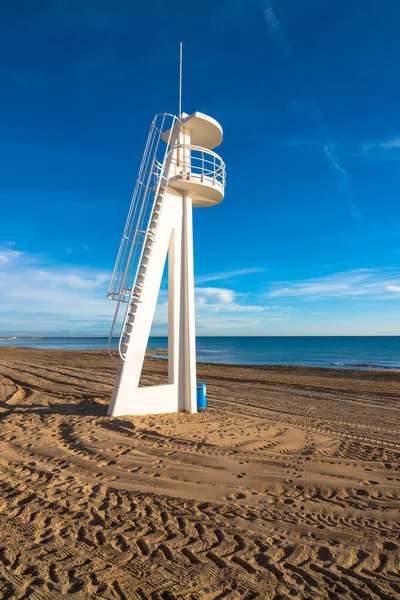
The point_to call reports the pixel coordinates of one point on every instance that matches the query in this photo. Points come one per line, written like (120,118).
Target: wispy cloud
(372,283)
(276,30)
(382,150)
(229,274)
(40,296)
(8,255)
(385,145)
(88,280)
(310,108)
(220,311)
(222,299)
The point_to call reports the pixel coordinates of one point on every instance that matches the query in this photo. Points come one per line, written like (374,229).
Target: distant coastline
(10,339)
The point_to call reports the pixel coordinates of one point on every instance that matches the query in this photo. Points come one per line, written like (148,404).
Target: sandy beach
(288,486)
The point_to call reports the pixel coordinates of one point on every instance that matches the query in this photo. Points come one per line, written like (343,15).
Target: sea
(377,352)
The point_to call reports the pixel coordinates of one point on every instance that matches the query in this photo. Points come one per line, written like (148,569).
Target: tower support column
(188,330)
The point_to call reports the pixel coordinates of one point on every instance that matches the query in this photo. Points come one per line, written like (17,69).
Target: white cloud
(218,296)
(382,151)
(90,280)
(223,300)
(374,283)
(229,274)
(36,294)
(385,145)
(276,30)
(223,310)
(41,297)
(8,255)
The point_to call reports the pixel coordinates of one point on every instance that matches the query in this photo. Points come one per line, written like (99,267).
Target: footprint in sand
(390,546)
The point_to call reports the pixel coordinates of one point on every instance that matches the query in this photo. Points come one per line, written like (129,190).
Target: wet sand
(288,486)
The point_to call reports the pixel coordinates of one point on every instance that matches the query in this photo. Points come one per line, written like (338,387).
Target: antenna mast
(180,77)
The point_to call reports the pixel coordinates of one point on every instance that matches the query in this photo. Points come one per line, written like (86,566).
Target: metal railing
(149,187)
(197,163)
(144,196)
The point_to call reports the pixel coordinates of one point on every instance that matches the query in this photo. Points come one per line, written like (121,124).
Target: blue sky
(307,240)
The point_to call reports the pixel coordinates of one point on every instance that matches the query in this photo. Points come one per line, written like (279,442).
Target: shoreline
(351,367)
(154,353)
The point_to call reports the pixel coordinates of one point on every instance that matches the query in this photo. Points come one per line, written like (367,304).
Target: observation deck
(199,173)
(194,168)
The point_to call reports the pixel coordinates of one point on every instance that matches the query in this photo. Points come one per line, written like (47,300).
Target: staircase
(140,229)
(141,272)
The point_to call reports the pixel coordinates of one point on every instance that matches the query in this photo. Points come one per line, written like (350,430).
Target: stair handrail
(146,236)
(158,170)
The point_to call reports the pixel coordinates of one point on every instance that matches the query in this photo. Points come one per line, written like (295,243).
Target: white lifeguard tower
(179,170)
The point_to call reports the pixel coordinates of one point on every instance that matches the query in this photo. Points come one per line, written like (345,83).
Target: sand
(288,486)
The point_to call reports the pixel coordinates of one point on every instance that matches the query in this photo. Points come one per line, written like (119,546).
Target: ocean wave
(362,365)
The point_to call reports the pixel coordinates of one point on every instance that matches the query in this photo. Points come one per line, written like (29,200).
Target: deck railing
(197,163)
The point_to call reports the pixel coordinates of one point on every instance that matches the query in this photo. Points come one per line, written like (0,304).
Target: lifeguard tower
(179,171)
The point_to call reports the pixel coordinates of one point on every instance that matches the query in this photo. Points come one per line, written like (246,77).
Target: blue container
(201,397)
